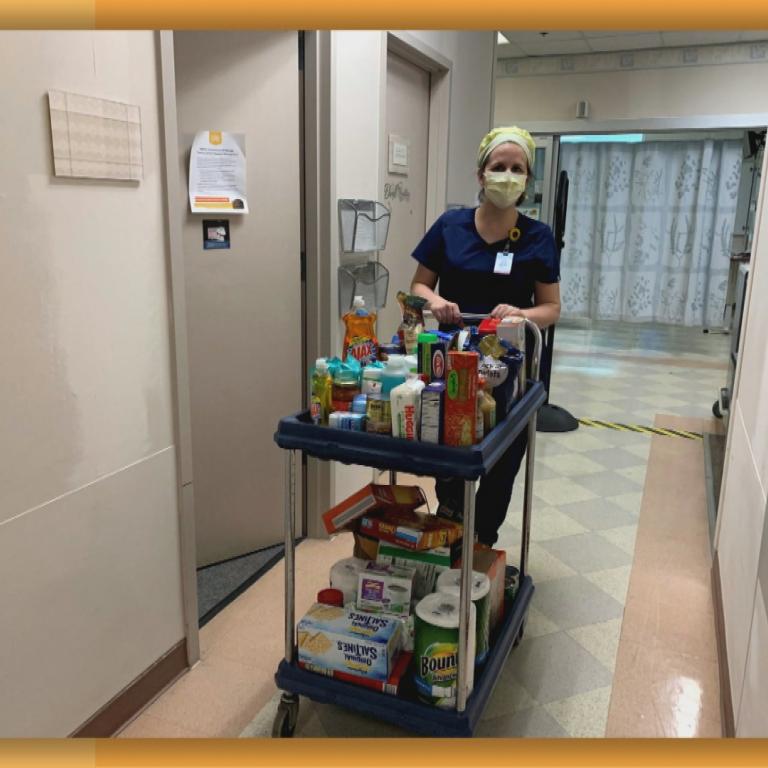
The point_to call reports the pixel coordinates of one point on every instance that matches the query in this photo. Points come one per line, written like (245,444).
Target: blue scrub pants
(493,495)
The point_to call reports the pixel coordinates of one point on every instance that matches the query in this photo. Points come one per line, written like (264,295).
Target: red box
(372,497)
(493,563)
(410,529)
(461,398)
(489,325)
(390,686)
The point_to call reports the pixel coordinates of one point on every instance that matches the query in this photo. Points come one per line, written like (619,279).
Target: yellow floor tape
(639,428)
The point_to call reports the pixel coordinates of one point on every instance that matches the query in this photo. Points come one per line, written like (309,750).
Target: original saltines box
(349,640)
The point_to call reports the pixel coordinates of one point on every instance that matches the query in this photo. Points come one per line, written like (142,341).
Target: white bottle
(371,380)
(405,402)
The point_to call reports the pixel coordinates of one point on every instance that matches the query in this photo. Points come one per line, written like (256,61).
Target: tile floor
(588,494)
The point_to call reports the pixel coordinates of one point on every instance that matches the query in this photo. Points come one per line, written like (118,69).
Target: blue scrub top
(464,262)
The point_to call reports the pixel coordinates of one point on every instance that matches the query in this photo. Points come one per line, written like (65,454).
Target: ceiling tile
(606,33)
(757,34)
(711,37)
(632,42)
(510,51)
(525,35)
(554,47)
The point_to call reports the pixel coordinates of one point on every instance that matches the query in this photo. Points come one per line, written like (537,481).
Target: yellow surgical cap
(512,134)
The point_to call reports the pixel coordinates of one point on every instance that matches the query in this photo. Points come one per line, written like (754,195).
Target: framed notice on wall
(217,173)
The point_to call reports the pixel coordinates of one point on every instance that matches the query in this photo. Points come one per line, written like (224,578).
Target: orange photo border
(400,14)
(397,14)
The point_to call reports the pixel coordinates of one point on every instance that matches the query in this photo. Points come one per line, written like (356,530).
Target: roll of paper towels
(344,576)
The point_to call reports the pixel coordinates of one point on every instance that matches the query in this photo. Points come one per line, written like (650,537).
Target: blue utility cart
(298,433)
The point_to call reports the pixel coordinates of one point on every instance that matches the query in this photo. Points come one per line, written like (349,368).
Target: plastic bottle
(360,336)
(320,402)
(394,374)
(406,409)
(486,406)
(372,380)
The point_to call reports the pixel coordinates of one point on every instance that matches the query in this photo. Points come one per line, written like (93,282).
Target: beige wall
(635,95)
(89,541)
(742,539)
(358,73)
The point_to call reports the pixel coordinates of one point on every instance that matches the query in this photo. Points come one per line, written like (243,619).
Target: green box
(428,563)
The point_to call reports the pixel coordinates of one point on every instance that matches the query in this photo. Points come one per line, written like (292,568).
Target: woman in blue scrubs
(493,260)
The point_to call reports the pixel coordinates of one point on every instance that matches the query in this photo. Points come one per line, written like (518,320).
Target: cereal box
(348,640)
(461,398)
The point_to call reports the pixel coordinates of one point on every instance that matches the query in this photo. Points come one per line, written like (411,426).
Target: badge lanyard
(505,258)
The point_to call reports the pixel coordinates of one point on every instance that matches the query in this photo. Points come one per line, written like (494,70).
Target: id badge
(503,264)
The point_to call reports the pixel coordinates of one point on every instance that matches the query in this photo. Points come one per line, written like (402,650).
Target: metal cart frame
(295,433)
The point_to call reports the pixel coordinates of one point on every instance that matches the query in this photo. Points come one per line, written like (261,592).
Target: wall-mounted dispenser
(363,226)
(363,229)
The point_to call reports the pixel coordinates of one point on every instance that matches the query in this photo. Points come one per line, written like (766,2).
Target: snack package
(413,320)
(360,335)
(410,529)
(369,498)
(349,641)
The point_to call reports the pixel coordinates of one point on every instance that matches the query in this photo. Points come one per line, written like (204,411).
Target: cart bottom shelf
(409,713)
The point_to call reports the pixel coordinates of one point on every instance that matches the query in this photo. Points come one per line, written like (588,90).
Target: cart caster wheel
(716,409)
(286,717)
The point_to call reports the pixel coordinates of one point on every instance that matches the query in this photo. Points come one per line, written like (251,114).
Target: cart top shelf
(297,432)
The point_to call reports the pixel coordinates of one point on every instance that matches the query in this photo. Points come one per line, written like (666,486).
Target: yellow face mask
(503,189)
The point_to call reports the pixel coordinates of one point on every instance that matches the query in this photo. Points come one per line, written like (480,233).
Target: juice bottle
(320,403)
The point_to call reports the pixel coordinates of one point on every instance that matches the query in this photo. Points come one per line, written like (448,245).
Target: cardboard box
(428,563)
(390,686)
(385,588)
(410,529)
(461,399)
(493,563)
(372,497)
(349,641)
(432,412)
(366,547)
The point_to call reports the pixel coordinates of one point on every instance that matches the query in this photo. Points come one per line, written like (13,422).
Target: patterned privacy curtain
(648,231)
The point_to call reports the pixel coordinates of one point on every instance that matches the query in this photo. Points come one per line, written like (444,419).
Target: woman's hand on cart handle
(501,311)
(444,311)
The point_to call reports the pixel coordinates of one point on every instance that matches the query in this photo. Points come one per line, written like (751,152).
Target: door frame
(179,349)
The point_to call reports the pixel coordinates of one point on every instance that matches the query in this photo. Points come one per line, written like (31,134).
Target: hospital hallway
(620,639)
